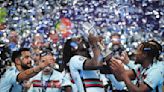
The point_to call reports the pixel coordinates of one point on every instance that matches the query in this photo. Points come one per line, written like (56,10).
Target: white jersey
(49,83)
(117,85)
(86,80)
(104,79)
(67,75)
(8,82)
(152,76)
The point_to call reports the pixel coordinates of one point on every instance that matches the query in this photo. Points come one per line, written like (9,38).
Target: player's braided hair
(158,46)
(151,49)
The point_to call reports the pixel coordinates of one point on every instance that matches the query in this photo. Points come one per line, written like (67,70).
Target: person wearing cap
(15,78)
(49,79)
(82,66)
(149,73)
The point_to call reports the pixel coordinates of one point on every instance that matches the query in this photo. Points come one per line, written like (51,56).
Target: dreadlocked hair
(67,53)
(150,50)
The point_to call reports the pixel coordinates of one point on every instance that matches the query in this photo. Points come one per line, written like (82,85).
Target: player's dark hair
(15,54)
(150,50)
(67,53)
(158,46)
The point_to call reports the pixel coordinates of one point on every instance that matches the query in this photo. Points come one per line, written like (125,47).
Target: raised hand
(117,68)
(93,39)
(124,57)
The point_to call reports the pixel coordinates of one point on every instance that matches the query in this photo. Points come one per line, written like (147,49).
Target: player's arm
(134,88)
(122,74)
(25,75)
(95,60)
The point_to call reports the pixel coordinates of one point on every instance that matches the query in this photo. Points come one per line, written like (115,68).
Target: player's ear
(17,61)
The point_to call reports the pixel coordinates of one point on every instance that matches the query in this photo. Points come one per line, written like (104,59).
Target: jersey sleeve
(154,78)
(119,85)
(8,79)
(77,62)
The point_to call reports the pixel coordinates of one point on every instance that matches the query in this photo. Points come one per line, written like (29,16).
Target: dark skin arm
(124,59)
(120,73)
(133,88)
(108,70)
(25,75)
(91,64)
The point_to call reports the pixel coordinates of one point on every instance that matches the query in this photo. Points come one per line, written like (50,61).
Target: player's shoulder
(78,58)
(75,56)
(9,72)
(12,69)
(56,75)
(156,68)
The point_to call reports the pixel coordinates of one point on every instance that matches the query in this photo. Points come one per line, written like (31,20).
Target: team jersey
(68,75)
(104,79)
(117,85)
(49,83)
(153,76)
(86,80)
(8,82)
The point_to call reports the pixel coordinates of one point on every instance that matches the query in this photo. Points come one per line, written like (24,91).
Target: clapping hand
(117,68)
